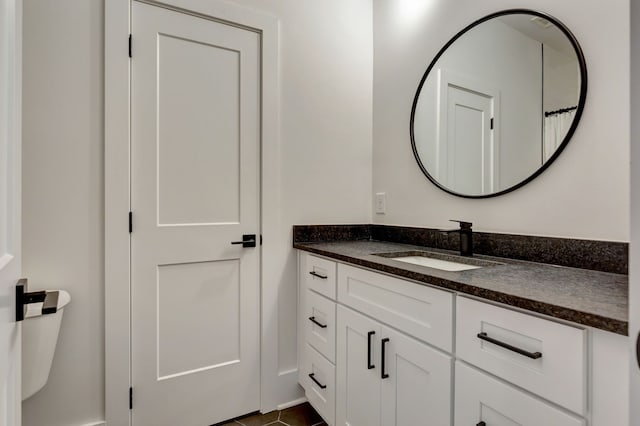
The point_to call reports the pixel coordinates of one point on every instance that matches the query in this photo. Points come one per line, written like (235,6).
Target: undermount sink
(441,261)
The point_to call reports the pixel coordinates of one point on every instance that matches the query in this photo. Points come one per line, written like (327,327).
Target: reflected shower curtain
(555,129)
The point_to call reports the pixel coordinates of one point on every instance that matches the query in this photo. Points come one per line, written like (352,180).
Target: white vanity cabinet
(483,400)
(384,377)
(541,356)
(375,350)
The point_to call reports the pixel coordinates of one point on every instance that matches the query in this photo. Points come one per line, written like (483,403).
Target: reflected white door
(195,188)
(10,187)
(466,146)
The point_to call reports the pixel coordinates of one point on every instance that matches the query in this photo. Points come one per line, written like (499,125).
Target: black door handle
(369,364)
(532,355)
(383,374)
(481,424)
(248,240)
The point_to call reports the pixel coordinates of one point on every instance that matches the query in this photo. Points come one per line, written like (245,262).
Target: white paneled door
(469,145)
(10,171)
(195,177)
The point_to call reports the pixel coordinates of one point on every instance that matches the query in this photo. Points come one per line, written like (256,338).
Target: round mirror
(498,103)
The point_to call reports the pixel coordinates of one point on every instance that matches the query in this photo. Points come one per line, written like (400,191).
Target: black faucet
(466,237)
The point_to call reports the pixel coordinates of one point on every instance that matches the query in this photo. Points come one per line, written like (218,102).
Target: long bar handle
(532,355)
(384,342)
(370,366)
(315,274)
(312,376)
(313,320)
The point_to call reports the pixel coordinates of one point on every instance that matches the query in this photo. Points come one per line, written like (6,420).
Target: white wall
(326,53)
(63,197)
(584,194)
(561,88)
(326,101)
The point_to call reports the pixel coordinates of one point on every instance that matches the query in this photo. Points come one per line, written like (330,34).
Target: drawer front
(552,363)
(417,310)
(320,324)
(481,398)
(320,389)
(319,275)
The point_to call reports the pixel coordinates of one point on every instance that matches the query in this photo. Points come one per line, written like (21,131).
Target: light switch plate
(381,203)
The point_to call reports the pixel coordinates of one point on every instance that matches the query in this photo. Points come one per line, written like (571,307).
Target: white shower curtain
(555,129)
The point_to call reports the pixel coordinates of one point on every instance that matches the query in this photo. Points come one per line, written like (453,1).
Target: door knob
(248,240)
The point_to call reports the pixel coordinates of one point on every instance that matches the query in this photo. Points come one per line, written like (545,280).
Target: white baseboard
(101,423)
(292,403)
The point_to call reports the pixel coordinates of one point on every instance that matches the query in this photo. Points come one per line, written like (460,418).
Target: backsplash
(605,256)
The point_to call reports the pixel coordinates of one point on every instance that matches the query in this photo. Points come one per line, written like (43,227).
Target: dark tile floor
(300,415)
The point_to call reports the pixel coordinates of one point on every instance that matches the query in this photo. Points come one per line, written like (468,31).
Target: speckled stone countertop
(592,298)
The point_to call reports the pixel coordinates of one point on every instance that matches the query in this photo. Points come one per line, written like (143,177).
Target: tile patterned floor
(300,415)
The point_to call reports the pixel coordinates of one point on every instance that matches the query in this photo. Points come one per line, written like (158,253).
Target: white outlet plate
(381,203)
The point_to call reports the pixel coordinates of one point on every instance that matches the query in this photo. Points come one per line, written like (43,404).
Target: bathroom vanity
(383,341)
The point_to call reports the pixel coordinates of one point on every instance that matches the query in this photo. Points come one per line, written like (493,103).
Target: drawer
(481,398)
(320,324)
(320,388)
(420,311)
(319,275)
(544,357)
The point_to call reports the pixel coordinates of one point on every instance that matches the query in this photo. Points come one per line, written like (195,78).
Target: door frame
(634,238)
(117,196)
(11,198)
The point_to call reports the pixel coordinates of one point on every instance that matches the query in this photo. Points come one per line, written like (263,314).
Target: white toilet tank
(39,338)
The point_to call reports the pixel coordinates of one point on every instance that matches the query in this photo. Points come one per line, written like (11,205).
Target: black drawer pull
(532,355)
(312,376)
(383,374)
(369,364)
(313,320)
(481,424)
(315,274)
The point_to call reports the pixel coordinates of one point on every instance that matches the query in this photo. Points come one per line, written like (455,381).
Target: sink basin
(441,261)
(429,262)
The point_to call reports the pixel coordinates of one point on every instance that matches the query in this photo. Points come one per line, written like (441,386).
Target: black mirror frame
(574,124)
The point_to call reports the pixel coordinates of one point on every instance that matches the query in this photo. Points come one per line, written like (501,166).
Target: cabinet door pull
(312,376)
(313,320)
(383,374)
(315,274)
(532,355)
(369,364)
(481,424)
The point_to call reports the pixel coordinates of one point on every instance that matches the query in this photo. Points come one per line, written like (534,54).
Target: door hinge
(260,239)
(130,45)
(130,398)
(130,222)
(491,125)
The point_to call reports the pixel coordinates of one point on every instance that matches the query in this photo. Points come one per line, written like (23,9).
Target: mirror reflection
(498,103)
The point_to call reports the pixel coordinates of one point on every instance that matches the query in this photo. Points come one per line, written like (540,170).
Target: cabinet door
(482,399)
(357,370)
(416,388)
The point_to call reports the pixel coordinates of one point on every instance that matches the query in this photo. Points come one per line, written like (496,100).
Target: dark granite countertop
(592,298)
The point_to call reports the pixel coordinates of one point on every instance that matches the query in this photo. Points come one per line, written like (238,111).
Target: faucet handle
(463,224)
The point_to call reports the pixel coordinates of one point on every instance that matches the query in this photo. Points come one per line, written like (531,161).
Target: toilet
(39,338)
